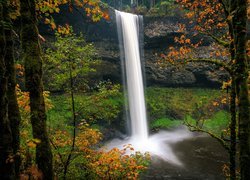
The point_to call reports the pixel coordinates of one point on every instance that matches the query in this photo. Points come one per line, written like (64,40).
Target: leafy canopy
(68,54)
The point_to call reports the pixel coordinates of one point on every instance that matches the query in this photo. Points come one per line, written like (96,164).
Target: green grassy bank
(166,108)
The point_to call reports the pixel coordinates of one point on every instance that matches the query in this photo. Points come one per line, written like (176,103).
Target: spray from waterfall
(128,26)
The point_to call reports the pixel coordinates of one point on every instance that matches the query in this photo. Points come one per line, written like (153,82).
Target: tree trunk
(233,110)
(6,151)
(233,131)
(74,123)
(13,109)
(33,82)
(241,70)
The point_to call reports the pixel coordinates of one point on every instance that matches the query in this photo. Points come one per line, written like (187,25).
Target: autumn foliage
(206,20)
(92,162)
(45,9)
(115,164)
(96,164)
(92,9)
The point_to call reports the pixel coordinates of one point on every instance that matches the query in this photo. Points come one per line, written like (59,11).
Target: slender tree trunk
(33,82)
(233,131)
(13,109)
(233,110)
(74,123)
(6,151)
(241,70)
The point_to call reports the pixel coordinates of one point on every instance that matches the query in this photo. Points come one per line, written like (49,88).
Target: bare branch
(56,148)
(218,40)
(198,129)
(216,62)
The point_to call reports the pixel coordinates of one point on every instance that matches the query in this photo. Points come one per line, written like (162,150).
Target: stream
(202,158)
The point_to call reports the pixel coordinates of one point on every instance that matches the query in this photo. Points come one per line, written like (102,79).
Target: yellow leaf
(37,141)
(46,21)
(31,144)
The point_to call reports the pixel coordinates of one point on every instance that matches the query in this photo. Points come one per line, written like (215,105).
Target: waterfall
(128,28)
(159,144)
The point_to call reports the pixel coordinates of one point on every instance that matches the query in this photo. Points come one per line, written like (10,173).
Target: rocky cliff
(159,33)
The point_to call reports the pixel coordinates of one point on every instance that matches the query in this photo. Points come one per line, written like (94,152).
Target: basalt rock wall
(159,33)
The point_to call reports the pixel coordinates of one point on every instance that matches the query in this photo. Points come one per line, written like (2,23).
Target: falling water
(157,144)
(129,28)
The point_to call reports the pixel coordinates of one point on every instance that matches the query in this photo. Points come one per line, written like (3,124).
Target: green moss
(61,114)
(218,122)
(165,123)
(176,103)
(103,106)
(166,108)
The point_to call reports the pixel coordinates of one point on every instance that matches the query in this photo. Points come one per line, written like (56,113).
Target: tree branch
(225,6)
(197,129)
(216,62)
(56,148)
(103,5)
(218,40)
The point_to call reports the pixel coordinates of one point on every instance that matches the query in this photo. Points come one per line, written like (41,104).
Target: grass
(176,103)
(61,114)
(166,108)
(218,122)
(165,123)
(90,107)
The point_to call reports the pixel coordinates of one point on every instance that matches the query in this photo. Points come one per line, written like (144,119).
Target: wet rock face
(160,32)
(157,28)
(191,75)
(159,35)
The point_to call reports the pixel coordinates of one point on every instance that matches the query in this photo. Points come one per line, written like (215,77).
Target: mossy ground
(166,108)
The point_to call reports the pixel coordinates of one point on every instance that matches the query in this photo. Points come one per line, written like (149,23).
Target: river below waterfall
(202,157)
